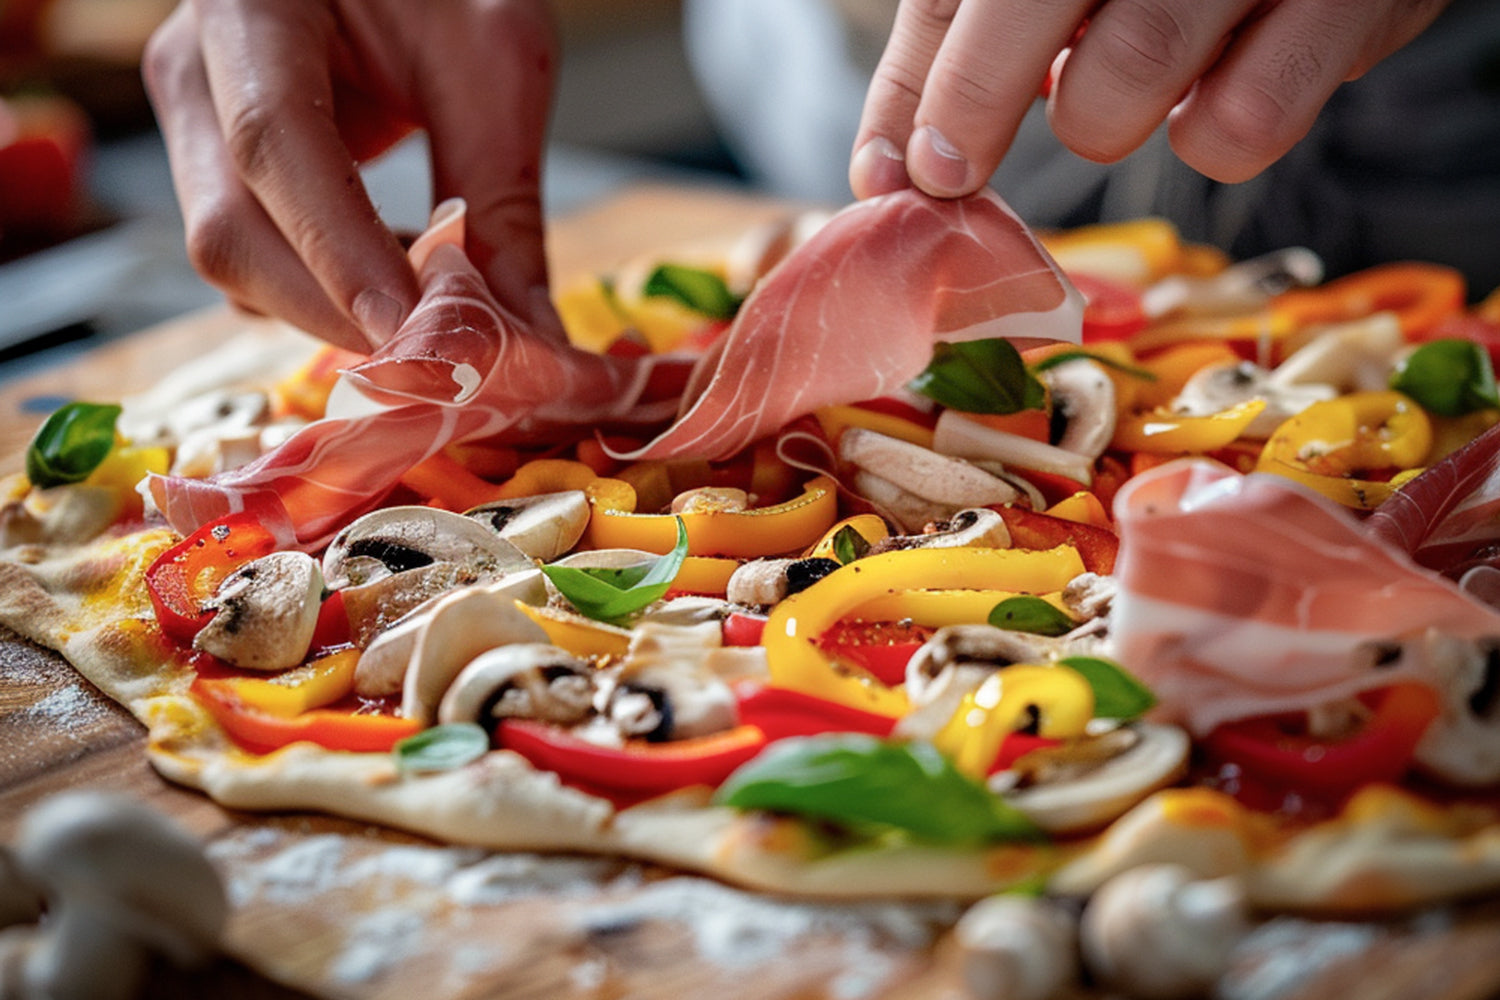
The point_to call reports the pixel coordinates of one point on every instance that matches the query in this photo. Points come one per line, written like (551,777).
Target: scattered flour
(378,942)
(74,705)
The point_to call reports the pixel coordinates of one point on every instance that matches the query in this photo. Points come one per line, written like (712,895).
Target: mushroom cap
(267,613)
(543,526)
(1017,948)
(409,537)
(533,667)
(121,859)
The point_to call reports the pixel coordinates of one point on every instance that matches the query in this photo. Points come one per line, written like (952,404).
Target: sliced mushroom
(763,582)
(711,499)
(1083,399)
(1349,356)
(1017,948)
(265,613)
(964,437)
(665,691)
(943,479)
(521,681)
(462,625)
(1240,287)
(122,885)
(1085,784)
(955,662)
(688,609)
(382,665)
(387,601)
(67,516)
(1156,933)
(543,527)
(1462,745)
(1216,388)
(975,526)
(405,538)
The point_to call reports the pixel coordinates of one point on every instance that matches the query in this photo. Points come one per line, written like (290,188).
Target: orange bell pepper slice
(1420,294)
(261,732)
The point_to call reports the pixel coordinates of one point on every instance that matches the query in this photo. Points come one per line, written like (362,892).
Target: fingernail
(878,167)
(936,165)
(377,314)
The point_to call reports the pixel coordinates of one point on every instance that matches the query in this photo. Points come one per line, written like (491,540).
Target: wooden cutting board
(330,908)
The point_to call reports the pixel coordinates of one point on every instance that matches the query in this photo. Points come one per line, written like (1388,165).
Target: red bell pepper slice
(881,649)
(1111,310)
(332,629)
(260,732)
(637,771)
(1276,755)
(185,576)
(782,712)
(740,629)
(1096,546)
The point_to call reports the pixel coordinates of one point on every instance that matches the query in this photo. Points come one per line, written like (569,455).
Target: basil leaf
(980,376)
(849,545)
(610,595)
(863,782)
(1063,357)
(71,443)
(442,748)
(1031,614)
(699,290)
(1117,695)
(1448,377)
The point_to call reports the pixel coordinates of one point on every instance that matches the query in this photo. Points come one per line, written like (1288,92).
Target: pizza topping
(966,437)
(1449,378)
(528,680)
(1216,388)
(612,593)
(914,484)
(668,695)
(398,539)
(1082,408)
(1018,947)
(1156,933)
(543,526)
(441,748)
(1462,746)
(958,658)
(1051,701)
(1083,785)
(976,526)
(263,615)
(183,580)
(71,443)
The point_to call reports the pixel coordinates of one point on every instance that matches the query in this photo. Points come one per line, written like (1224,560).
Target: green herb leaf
(1031,614)
(873,785)
(699,290)
(610,595)
(980,376)
(71,443)
(1063,357)
(1448,377)
(442,748)
(1117,694)
(849,545)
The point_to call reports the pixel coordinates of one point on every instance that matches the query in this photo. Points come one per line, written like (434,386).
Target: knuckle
(932,12)
(1143,47)
(1249,120)
(965,91)
(522,24)
(167,59)
(213,245)
(251,134)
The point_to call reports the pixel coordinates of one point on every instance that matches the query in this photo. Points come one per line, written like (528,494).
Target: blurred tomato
(44,142)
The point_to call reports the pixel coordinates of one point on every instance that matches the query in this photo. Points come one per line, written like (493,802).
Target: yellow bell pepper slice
(760,531)
(795,624)
(1332,445)
(704,575)
(835,419)
(546,475)
(937,608)
(576,634)
(1135,251)
(1264,326)
(998,707)
(870,527)
(1165,433)
(301,689)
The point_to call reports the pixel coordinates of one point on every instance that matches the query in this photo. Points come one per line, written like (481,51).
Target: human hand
(268,106)
(1238,81)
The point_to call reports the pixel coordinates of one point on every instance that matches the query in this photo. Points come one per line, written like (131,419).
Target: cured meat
(1448,518)
(460,368)
(853,314)
(1246,595)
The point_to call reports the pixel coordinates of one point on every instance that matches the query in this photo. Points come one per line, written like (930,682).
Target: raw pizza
(894,553)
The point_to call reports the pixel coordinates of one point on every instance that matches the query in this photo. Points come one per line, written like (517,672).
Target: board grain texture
(331,909)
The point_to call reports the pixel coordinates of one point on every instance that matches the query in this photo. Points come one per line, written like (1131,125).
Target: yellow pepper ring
(761,531)
(1061,696)
(795,624)
(547,475)
(1165,433)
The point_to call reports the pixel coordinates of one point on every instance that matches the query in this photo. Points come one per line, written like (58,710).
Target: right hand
(268,107)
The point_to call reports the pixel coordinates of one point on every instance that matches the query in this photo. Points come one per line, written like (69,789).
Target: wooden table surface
(339,909)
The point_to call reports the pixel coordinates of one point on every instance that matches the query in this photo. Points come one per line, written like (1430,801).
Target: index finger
(268,70)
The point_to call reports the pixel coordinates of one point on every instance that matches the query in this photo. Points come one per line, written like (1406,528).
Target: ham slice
(460,368)
(1246,595)
(853,314)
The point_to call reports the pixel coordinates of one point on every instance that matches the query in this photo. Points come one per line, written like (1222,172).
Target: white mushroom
(64,516)
(1017,948)
(1240,287)
(383,603)
(955,662)
(964,437)
(522,680)
(382,665)
(1156,934)
(1349,356)
(410,537)
(1088,783)
(978,527)
(711,499)
(763,582)
(462,625)
(543,526)
(1089,595)
(122,885)
(1083,396)
(1216,388)
(947,484)
(1462,745)
(664,690)
(265,613)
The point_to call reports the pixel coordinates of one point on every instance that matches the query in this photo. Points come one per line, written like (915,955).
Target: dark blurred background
(90,235)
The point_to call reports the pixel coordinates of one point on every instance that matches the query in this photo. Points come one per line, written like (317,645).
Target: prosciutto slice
(853,314)
(460,368)
(1246,595)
